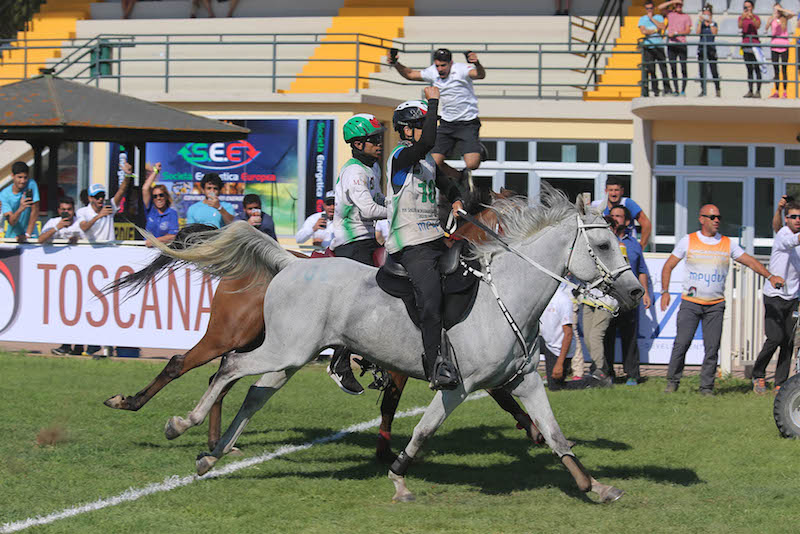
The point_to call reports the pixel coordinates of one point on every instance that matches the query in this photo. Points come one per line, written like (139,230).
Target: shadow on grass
(519,466)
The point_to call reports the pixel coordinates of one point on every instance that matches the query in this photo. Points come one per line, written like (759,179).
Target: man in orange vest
(707,256)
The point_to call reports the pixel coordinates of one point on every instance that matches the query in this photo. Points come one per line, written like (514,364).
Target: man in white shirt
(459,105)
(318,226)
(708,256)
(780,303)
(96,220)
(63,226)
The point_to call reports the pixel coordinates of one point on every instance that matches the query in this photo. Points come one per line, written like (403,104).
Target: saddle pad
(459,294)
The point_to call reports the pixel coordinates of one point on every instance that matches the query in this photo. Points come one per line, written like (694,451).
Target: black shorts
(362,251)
(448,133)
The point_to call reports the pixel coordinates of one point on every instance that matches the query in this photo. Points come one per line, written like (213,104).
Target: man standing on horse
(416,239)
(359,203)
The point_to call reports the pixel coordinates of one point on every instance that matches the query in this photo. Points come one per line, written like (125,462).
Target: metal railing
(166,62)
(601,30)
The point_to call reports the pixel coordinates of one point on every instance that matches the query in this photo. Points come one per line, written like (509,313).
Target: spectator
(780,303)
(679,25)
(749,23)
(20,203)
(627,322)
(707,256)
(253,215)
(359,203)
(232,7)
(96,220)
(63,226)
(778,24)
(706,50)
(207,4)
(316,226)
(651,26)
(211,211)
(596,318)
(459,111)
(127,8)
(162,220)
(562,10)
(614,197)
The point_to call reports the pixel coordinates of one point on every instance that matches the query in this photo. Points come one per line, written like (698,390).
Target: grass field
(687,464)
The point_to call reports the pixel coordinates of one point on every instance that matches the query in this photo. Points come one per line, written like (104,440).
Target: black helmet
(409,113)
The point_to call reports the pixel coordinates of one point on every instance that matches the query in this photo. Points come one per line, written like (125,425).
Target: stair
(376,19)
(56,21)
(621,58)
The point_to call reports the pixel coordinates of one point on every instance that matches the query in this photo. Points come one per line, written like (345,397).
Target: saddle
(459,287)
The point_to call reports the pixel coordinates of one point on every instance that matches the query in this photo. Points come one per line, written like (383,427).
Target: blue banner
(319,163)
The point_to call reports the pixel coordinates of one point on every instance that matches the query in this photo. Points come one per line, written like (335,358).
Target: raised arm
(406,72)
(478,73)
(123,187)
(148,184)
(777,219)
(647,227)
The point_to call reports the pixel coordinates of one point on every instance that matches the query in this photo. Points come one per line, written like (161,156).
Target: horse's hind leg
(532,393)
(215,415)
(524,422)
(258,394)
(391,398)
(443,404)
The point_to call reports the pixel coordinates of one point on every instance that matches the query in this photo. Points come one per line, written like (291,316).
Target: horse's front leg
(258,394)
(391,398)
(443,404)
(532,393)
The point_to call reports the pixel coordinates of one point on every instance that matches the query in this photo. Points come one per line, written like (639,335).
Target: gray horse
(313,305)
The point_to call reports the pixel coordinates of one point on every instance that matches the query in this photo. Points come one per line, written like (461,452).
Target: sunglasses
(375,139)
(159,195)
(330,202)
(712,217)
(793,217)
(99,196)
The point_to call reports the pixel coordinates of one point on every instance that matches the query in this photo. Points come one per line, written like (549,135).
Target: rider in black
(416,239)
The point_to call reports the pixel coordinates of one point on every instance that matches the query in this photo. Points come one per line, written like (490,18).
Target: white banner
(51,294)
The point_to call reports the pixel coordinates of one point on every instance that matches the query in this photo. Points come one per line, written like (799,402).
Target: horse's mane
(520,221)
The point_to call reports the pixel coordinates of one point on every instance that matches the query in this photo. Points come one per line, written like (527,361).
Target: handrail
(601,29)
(103,60)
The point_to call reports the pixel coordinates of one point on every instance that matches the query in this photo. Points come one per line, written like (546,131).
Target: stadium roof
(46,107)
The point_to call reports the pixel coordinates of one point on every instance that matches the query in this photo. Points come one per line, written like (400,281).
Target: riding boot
(340,371)
(439,367)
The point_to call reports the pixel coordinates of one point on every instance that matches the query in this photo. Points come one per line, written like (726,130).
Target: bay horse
(550,238)
(237,324)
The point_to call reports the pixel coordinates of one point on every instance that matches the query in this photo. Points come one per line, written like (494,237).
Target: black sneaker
(63,350)
(339,370)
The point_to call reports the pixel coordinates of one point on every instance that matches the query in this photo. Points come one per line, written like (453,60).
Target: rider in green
(359,203)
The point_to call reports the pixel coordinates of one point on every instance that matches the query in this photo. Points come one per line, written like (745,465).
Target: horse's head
(597,260)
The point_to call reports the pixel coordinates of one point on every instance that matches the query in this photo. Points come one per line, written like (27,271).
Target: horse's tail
(158,267)
(237,250)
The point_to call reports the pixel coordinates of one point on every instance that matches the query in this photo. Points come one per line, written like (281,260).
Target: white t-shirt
(102,229)
(62,233)
(557,314)
(307,232)
(382,226)
(785,261)
(458,101)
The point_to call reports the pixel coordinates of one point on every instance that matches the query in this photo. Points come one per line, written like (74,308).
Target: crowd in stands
(128,5)
(667,24)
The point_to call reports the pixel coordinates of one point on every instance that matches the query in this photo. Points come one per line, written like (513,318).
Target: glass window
(572,187)
(517,182)
(765,156)
(715,156)
(727,196)
(792,189)
(665,205)
(619,152)
(491,150)
(483,186)
(764,199)
(516,151)
(791,157)
(666,155)
(568,152)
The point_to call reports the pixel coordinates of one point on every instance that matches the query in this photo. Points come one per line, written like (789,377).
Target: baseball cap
(95,189)
(330,195)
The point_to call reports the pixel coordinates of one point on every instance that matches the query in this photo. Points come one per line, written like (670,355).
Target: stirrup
(445,375)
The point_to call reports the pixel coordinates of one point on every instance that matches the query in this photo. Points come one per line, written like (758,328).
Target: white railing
(743,327)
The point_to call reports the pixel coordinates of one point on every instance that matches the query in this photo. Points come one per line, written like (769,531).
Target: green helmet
(361,126)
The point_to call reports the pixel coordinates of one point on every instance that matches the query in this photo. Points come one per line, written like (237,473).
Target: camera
(393,55)
(789,198)
(107,202)
(29,194)
(65,215)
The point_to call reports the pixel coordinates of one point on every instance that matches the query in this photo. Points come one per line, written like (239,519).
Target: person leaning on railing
(706,50)
(749,23)
(679,25)
(651,26)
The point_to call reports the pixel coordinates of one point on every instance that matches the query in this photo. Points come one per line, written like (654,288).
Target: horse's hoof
(401,493)
(175,427)
(611,494)
(117,402)
(236,451)
(204,463)
(404,497)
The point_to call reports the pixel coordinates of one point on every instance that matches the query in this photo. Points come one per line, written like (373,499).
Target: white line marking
(175,481)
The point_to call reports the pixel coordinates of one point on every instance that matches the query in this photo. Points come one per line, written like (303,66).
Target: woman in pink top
(679,25)
(778,25)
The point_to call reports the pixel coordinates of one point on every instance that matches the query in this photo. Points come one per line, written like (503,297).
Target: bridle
(607,276)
